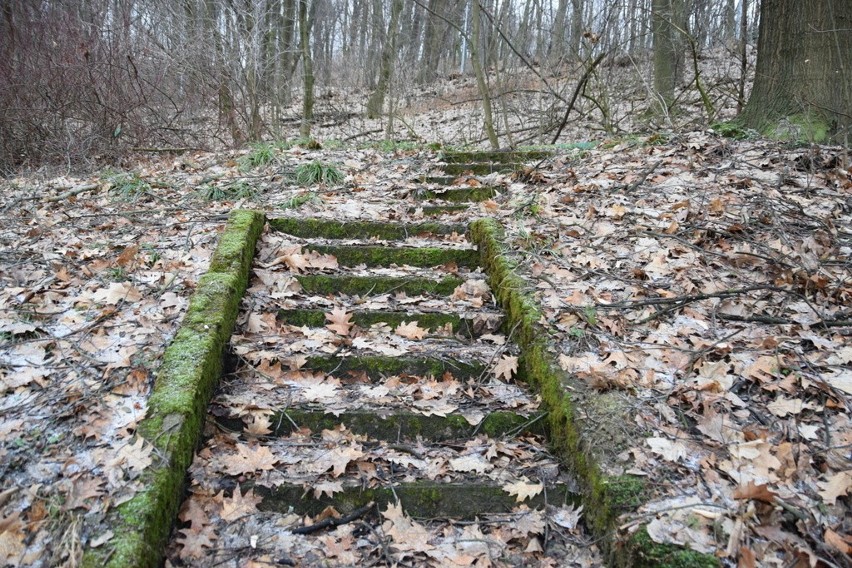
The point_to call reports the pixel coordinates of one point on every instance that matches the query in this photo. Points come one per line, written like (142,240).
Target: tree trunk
(803,81)
(666,66)
(308,70)
(475,54)
(377,98)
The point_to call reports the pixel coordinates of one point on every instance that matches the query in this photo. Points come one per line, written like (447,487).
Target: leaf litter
(710,294)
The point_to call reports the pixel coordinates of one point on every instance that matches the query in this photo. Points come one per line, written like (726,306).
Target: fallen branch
(72,192)
(332,522)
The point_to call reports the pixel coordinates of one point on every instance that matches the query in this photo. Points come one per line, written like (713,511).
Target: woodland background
(84,80)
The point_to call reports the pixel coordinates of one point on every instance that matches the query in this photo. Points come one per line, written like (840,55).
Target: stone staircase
(374,391)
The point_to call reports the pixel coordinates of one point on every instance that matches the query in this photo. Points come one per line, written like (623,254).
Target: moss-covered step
(437,210)
(458,194)
(177,406)
(379,255)
(422,499)
(332,229)
(502,156)
(399,425)
(479,169)
(431,321)
(437,180)
(327,284)
(378,366)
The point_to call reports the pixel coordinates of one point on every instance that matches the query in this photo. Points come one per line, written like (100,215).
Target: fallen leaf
(506,367)
(248,460)
(339,319)
(523,489)
(239,505)
(837,485)
(410,330)
(755,492)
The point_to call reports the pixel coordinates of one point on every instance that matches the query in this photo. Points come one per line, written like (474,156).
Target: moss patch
(366,285)
(479,169)
(422,499)
(378,255)
(331,229)
(459,195)
(379,366)
(648,554)
(365,319)
(177,407)
(399,425)
(568,424)
(455,157)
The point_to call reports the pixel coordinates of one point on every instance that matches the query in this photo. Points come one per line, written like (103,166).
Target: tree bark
(308,70)
(475,54)
(377,98)
(803,81)
(666,57)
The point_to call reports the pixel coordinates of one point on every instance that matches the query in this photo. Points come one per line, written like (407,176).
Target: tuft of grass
(231,192)
(127,186)
(260,155)
(297,201)
(317,172)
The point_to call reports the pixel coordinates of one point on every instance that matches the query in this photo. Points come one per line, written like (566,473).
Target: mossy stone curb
(604,497)
(177,408)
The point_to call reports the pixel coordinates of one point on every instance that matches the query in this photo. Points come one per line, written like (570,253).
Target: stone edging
(604,497)
(177,407)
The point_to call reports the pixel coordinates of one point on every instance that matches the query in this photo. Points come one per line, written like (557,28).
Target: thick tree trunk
(803,79)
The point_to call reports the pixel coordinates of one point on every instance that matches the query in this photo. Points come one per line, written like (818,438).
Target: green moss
(459,195)
(801,128)
(398,425)
(176,410)
(379,255)
(378,366)
(235,250)
(479,169)
(649,554)
(332,229)
(366,285)
(461,156)
(626,492)
(603,498)
(436,210)
(366,319)
(422,499)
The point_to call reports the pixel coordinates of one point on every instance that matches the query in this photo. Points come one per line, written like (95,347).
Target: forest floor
(703,282)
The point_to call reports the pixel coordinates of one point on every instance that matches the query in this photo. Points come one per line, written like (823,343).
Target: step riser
(328,229)
(479,169)
(431,321)
(377,367)
(387,256)
(458,195)
(503,157)
(399,426)
(375,285)
(419,500)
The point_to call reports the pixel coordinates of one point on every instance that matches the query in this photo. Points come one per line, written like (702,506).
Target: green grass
(126,186)
(259,156)
(317,172)
(300,199)
(231,192)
